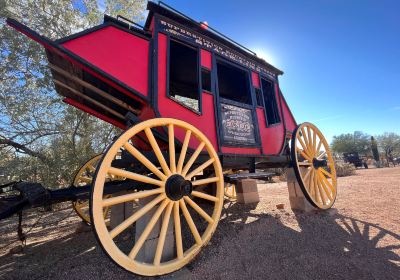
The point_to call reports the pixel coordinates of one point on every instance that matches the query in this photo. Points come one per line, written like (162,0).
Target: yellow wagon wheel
(314,166)
(173,187)
(229,188)
(83,177)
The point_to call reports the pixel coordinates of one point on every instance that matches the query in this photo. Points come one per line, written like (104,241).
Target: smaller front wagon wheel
(314,166)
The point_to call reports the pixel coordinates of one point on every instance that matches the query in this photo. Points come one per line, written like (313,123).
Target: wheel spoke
(85,179)
(205,181)
(157,151)
(183,151)
(311,183)
(163,233)
(318,147)
(171,143)
(305,156)
(303,146)
(321,194)
(91,168)
(315,187)
(139,243)
(310,142)
(314,142)
(306,140)
(140,157)
(321,155)
(307,175)
(328,193)
(130,197)
(137,215)
(190,222)
(199,169)
(205,196)
(135,176)
(178,231)
(304,163)
(326,172)
(192,159)
(328,183)
(198,209)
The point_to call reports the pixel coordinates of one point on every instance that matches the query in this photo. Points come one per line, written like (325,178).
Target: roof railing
(131,22)
(216,32)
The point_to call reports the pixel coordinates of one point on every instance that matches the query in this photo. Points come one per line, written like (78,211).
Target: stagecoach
(194,107)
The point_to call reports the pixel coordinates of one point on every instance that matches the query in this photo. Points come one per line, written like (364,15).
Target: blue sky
(341,58)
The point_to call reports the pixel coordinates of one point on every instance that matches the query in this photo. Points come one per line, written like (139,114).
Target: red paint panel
(255,79)
(289,119)
(171,109)
(88,110)
(243,151)
(205,59)
(271,137)
(120,54)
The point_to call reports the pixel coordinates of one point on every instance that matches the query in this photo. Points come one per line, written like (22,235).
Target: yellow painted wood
(192,159)
(171,140)
(140,157)
(163,234)
(160,200)
(190,222)
(178,231)
(198,209)
(183,151)
(321,191)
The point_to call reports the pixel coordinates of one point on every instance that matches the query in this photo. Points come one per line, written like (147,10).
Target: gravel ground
(358,239)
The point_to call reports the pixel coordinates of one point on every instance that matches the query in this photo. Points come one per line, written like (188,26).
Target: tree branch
(23,148)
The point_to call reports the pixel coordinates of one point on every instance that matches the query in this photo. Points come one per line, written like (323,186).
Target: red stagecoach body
(166,81)
(117,71)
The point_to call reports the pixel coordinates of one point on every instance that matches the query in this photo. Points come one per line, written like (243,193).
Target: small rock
(280,206)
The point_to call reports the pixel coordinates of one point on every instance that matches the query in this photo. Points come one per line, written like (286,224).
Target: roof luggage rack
(216,32)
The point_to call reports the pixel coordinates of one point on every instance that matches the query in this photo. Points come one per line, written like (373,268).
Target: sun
(265,54)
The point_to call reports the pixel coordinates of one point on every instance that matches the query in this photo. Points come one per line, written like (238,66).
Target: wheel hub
(317,163)
(176,187)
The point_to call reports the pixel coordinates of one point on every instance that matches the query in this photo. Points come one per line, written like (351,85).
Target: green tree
(41,138)
(357,142)
(389,143)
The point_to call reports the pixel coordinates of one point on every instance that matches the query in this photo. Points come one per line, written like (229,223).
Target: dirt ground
(358,239)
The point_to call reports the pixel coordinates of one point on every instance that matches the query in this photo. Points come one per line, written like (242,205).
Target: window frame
(198,76)
(249,82)
(260,77)
(219,100)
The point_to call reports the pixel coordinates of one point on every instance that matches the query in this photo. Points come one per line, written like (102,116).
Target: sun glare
(265,54)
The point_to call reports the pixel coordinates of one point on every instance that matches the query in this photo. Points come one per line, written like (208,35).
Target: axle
(35,195)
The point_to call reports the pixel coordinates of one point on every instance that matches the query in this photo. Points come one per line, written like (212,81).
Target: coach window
(183,74)
(233,83)
(270,104)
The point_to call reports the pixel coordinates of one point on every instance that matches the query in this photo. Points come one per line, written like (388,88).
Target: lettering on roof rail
(190,36)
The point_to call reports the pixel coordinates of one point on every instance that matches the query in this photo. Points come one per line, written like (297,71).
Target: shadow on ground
(322,245)
(246,245)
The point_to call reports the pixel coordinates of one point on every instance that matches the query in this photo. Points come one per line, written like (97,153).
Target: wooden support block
(247,191)
(246,186)
(120,213)
(148,250)
(245,198)
(296,195)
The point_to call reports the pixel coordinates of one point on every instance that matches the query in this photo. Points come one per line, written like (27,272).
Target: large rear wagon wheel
(314,166)
(170,198)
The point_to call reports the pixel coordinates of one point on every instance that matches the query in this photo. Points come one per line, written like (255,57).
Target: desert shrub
(344,169)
